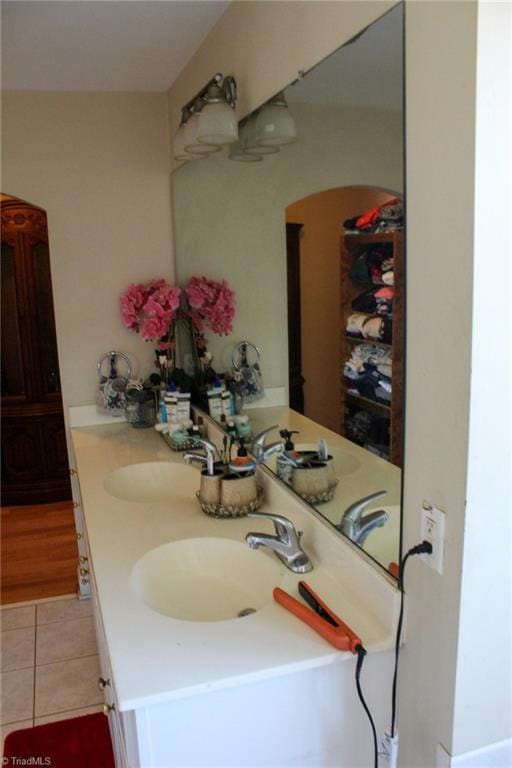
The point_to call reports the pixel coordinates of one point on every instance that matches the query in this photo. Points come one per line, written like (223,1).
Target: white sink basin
(206,579)
(153,481)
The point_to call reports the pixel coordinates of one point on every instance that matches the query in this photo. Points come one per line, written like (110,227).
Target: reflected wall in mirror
(274,230)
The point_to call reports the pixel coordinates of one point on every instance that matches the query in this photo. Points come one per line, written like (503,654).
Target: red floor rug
(83,742)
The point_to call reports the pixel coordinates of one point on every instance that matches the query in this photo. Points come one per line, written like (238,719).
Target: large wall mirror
(322,301)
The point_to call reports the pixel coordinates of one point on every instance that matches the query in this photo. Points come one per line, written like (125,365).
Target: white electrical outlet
(432,530)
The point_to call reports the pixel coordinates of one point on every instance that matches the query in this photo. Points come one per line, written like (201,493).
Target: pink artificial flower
(211,302)
(150,309)
(153,328)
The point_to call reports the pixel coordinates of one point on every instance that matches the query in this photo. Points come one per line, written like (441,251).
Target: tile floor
(49,663)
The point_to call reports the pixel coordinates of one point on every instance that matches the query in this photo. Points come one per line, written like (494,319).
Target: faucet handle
(259,439)
(358,506)
(282,525)
(188,458)
(208,446)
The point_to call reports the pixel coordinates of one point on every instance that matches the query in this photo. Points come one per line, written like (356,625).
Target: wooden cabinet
(34,457)
(352,246)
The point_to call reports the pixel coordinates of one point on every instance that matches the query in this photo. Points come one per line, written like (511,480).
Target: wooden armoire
(34,456)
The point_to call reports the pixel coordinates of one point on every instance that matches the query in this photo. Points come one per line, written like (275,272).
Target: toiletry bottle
(227,403)
(242,463)
(163,411)
(215,400)
(231,428)
(243,427)
(183,405)
(171,403)
(286,460)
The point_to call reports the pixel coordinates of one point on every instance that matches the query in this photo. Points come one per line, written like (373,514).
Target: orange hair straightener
(320,618)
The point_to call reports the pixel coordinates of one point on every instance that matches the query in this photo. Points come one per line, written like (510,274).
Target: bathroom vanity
(186,680)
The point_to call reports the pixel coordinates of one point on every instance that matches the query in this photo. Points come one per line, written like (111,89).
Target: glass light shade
(179,147)
(239,155)
(191,144)
(275,125)
(248,139)
(217,124)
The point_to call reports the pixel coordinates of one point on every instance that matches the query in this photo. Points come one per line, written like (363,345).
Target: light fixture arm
(226,84)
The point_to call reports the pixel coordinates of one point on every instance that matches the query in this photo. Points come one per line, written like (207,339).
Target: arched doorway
(34,456)
(314,227)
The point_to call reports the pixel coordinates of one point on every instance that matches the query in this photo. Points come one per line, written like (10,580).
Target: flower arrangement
(153,309)
(211,305)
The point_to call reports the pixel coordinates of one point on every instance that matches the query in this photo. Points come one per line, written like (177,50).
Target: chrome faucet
(357,526)
(209,460)
(258,443)
(188,458)
(286,542)
(267,451)
(208,447)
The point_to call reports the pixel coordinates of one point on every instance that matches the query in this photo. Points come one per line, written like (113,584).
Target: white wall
(98,164)
(483,693)
(453,689)
(229,218)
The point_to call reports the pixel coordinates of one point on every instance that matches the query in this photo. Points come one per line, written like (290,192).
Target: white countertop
(155,658)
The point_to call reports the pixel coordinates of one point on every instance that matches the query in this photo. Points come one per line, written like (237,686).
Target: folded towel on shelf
(355,324)
(362,326)
(375,301)
(368,353)
(389,215)
(372,384)
(372,263)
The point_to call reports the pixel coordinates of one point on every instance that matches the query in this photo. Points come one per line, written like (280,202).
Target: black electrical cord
(424,547)
(361,653)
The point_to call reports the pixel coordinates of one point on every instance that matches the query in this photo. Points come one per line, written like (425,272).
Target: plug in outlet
(432,530)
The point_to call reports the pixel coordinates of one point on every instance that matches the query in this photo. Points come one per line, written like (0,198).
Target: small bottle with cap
(289,458)
(243,427)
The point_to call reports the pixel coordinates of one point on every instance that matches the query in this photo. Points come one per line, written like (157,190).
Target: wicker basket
(217,510)
(320,498)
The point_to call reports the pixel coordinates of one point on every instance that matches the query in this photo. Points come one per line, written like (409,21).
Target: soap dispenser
(289,458)
(242,463)
(239,488)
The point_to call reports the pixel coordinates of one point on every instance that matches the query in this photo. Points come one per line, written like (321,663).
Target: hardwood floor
(38,552)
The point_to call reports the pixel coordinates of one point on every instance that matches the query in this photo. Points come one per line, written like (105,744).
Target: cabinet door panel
(12,364)
(44,317)
(22,457)
(54,440)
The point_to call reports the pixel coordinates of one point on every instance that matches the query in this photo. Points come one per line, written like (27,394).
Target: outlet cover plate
(432,530)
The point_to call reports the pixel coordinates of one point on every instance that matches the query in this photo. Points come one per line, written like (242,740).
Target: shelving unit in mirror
(372,341)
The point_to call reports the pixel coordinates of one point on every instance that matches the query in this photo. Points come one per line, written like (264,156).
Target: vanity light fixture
(239,155)
(249,140)
(192,145)
(217,121)
(275,125)
(207,120)
(179,141)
